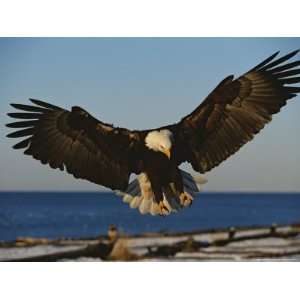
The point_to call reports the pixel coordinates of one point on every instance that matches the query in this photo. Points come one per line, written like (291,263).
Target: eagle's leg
(159,199)
(184,197)
(157,186)
(163,210)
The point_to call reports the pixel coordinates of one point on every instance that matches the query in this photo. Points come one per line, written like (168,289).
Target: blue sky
(142,83)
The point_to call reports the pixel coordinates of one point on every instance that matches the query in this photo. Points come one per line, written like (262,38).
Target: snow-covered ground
(250,244)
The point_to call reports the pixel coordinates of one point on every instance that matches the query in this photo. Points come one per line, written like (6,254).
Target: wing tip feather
(264,62)
(44,104)
(279,61)
(270,62)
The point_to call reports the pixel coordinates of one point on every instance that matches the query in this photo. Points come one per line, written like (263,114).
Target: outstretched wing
(75,141)
(235,111)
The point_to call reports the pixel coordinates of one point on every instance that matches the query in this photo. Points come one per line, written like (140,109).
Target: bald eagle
(228,118)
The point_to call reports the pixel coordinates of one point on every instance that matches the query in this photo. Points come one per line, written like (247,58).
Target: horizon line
(112,192)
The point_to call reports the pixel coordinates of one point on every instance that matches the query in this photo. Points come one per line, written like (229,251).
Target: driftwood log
(113,247)
(192,246)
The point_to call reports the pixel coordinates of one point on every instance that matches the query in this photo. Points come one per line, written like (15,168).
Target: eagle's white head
(160,140)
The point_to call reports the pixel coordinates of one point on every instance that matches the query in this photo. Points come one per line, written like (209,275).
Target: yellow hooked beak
(167,152)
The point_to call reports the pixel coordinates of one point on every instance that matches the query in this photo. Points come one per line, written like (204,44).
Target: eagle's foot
(185,199)
(163,210)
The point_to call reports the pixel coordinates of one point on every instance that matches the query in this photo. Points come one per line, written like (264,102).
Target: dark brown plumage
(228,118)
(77,142)
(235,111)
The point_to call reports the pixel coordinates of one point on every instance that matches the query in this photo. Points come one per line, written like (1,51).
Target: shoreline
(274,242)
(158,233)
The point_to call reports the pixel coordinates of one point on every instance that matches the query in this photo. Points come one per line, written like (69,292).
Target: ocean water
(73,215)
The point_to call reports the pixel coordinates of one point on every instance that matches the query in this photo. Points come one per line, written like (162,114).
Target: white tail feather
(140,195)
(145,206)
(135,202)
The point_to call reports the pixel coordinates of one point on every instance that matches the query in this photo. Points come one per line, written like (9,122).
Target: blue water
(55,215)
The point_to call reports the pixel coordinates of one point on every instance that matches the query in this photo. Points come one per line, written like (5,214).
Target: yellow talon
(163,210)
(185,199)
